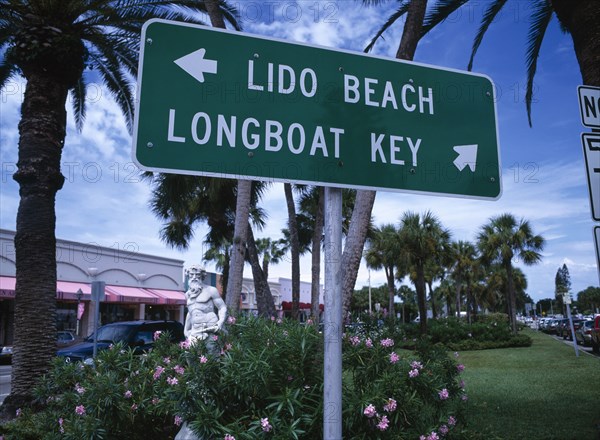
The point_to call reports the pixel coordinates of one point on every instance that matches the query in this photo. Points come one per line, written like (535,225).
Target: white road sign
(589,105)
(591,152)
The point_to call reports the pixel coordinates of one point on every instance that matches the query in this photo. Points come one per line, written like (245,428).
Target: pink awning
(131,294)
(169,296)
(7,287)
(68,290)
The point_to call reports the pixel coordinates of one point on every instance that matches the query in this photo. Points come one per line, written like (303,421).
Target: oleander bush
(258,379)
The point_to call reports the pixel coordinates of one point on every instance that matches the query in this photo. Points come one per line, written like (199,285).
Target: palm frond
(540,18)
(78,93)
(439,12)
(488,18)
(402,9)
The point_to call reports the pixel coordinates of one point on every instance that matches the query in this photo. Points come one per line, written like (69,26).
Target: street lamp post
(78,295)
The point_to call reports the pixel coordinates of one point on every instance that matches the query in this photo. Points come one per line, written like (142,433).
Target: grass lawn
(540,392)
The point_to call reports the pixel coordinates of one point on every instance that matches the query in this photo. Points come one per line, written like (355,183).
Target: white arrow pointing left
(467,156)
(195,64)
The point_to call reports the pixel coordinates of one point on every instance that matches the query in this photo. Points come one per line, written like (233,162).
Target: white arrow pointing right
(467,155)
(195,64)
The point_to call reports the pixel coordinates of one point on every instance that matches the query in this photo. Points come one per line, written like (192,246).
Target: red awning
(287,305)
(169,296)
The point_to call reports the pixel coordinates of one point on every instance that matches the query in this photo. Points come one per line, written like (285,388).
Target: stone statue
(206,309)
(206,315)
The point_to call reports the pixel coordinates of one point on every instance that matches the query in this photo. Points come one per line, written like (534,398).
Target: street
(5,372)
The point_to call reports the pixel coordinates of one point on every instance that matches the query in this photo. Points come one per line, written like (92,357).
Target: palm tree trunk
(582,19)
(294,248)
(264,298)
(42,131)
(361,215)
(355,243)
(214,13)
(412,30)
(433,311)
(238,248)
(389,274)
(458,284)
(316,256)
(512,298)
(242,209)
(420,287)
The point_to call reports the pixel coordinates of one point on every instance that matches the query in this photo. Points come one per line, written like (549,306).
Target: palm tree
(264,298)
(220,253)
(385,251)
(580,19)
(423,238)
(463,255)
(272,252)
(294,248)
(55,45)
(503,239)
(361,215)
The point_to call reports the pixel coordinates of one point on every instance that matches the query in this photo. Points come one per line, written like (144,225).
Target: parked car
(584,333)
(596,335)
(6,354)
(560,326)
(138,335)
(64,338)
(566,328)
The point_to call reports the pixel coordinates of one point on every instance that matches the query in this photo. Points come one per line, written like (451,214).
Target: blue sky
(104,202)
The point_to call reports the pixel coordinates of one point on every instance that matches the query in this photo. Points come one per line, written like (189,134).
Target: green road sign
(227,104)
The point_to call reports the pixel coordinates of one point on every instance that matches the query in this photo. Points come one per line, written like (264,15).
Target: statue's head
(196,273)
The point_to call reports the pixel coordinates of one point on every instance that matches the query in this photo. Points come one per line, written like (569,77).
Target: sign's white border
(594,190)
(579,95)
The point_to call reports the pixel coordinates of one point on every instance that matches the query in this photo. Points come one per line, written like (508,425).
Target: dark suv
(138,335)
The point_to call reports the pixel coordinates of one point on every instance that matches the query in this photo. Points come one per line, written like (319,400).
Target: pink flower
(387,342)
(422,437)
(185,344)
(134,407)
(127,394)
(60,426)
(155,400)
(157,334)
(167,360)
(444,394)
(279,320)
(451,421)
(172,380)
(159,370)
(228,437)
(383,424)
(390,406)
(433,436)
(80,410)
(266,426)
(273,319)
(214,337)
(464,398)
(178,420)
(413,373)
(444,430)
(369,343)
(394,357)
(203,359)
(228,346)
(462,384)
(231,320)
(79,388)
(354,340)
(370,411)
(178,369)
(456,354)
(416,365)
(460,367)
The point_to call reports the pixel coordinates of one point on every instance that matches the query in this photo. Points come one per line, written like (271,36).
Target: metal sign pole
(332,380)
(97,296)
